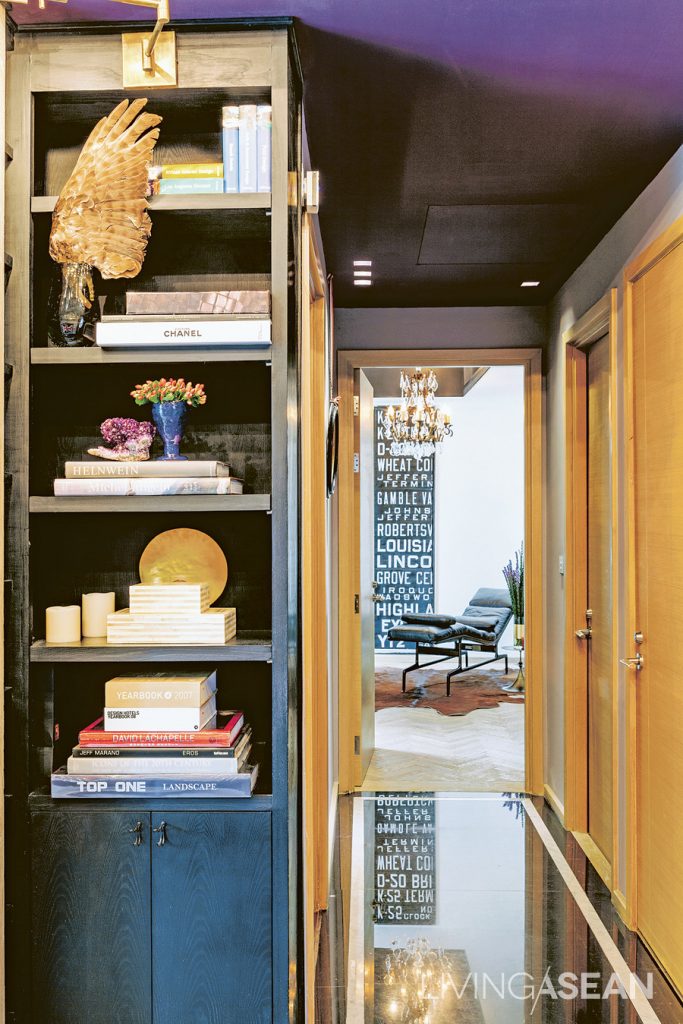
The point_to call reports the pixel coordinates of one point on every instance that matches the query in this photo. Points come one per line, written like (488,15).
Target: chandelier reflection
(418,978)
(417,425)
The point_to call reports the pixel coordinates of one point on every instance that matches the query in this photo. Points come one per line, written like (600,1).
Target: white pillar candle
(96,608)
(63,624)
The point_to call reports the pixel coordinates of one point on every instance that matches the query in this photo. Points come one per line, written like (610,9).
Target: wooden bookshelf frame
(248,61)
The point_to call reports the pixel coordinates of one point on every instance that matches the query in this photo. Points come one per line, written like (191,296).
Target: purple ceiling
(468,144)
(628,46)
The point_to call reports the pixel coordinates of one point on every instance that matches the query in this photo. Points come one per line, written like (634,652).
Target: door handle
(161,829)
(137,832)
(636,663)
(584,634)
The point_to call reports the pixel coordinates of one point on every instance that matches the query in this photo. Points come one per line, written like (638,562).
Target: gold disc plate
(185,556)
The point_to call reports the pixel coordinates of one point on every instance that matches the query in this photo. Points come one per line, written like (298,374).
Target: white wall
(654,210)
(479,488)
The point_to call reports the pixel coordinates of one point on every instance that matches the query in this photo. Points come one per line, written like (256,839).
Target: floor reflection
(461,915)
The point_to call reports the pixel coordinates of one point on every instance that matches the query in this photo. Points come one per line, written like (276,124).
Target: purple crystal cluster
(130,440)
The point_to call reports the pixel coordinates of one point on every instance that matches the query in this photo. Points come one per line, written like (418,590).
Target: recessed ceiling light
(362,282)
(362,273)
(530,284)
(362,263)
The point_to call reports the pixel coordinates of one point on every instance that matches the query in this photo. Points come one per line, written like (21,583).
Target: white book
(105,468)
(123,486)
(220,767)
(174,333)
(247,148)
(140,719)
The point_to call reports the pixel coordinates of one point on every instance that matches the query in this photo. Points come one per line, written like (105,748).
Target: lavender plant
(514,577)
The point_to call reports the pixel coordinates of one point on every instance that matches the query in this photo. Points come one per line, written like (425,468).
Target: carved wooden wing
(101,215)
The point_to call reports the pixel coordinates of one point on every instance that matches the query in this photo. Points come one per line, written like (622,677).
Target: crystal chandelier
(417,425)
(418,978)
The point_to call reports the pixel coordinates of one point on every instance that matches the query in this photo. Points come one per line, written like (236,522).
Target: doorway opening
(439,670)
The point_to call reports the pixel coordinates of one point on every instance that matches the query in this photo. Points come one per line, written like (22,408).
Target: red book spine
(94,736)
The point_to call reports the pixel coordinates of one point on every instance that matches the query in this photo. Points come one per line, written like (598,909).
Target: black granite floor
(460,914)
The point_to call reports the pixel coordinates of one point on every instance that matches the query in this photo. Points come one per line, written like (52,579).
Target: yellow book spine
(208,170)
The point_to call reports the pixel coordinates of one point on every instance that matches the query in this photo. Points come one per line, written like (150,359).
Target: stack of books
(120,479)
(185,179)
(177,613)
(246,164)
(160,736)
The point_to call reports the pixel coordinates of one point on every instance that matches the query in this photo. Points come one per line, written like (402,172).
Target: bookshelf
(231,859)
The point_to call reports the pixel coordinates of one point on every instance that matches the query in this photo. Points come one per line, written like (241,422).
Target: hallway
(478,909)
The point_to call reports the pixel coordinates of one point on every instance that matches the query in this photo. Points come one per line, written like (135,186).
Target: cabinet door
(91,917)
(211,927)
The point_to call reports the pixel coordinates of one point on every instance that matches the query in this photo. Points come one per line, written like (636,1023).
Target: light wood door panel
(366,496)
(657,382)
(599,552)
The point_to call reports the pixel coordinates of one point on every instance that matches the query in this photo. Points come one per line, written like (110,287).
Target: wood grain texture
(599,555)
(211,928)
(244,647)
(157,503)
(69,61)
(365,511)
(576,591)
(17,617)
(657,321)
(216,201)
(91,912)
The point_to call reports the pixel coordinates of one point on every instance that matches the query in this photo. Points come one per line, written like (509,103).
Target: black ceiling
(460,187)
(468,145)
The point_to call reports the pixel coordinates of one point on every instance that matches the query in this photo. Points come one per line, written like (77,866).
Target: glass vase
(73,307)
(519,634)
(169,419)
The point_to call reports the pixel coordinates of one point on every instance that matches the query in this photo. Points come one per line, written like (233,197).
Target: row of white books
(104,477)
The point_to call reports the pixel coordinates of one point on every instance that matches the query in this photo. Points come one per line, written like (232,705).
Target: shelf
(95,356)
(40,800)
(152,503)
(216,201)
(247,646)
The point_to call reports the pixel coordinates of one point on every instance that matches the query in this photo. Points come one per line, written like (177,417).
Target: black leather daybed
(480,627)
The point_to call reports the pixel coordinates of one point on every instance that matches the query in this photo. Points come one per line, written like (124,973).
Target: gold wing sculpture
(101,215)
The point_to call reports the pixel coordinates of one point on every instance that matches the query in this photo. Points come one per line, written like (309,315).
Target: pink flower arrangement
(171,390)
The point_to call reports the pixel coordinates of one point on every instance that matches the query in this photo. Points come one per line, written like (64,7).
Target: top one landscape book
(104,468)
(160,689)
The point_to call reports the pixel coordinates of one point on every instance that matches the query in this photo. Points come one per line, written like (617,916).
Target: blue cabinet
(90,917)
(211,918)
(148,917)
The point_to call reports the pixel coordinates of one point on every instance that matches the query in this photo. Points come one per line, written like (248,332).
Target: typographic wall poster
(405,860)
(404,536)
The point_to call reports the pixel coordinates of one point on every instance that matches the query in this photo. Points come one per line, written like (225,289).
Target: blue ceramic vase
(169,419)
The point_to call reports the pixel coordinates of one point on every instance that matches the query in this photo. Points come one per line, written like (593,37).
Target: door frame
(657,250)
(597,322)
(348,541)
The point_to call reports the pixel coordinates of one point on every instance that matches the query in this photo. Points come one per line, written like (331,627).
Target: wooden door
(212,920)
(599,580)
(365,490)
(91,917)
(314,600)
(655,384)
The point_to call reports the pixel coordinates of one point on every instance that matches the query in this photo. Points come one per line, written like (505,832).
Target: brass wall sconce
(149,58)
